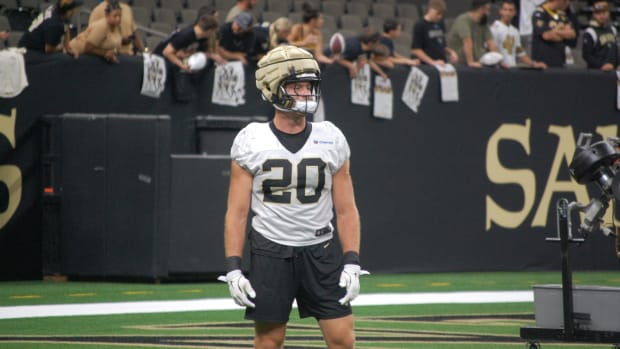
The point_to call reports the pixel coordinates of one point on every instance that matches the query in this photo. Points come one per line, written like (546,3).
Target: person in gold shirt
(102,37)
(131,42)
(308,36)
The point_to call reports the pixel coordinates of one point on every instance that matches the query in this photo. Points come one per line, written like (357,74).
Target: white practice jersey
(508,41)
(292,192)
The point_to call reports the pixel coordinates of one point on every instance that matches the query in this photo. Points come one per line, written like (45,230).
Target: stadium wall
(458,186)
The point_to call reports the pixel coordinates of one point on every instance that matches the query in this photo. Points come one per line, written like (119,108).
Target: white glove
(239,287)
(350,278)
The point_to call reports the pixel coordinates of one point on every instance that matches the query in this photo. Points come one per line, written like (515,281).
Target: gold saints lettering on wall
(10,175)
(525,178)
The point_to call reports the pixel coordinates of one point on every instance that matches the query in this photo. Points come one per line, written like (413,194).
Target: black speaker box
(111,173)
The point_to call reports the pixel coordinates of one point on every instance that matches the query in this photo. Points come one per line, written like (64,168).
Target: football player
(292,173)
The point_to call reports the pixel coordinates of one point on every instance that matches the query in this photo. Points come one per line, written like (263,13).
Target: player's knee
(343,341)
(269,341)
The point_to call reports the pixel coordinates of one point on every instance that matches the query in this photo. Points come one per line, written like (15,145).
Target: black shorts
(280,274)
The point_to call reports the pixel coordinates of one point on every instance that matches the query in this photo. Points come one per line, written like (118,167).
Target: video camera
(596,163)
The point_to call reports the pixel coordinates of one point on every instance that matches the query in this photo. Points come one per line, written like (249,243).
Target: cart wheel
(534,345)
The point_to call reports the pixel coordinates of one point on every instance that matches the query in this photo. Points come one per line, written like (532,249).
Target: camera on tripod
(597,163)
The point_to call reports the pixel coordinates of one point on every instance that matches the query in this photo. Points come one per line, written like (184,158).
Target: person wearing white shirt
(508,38)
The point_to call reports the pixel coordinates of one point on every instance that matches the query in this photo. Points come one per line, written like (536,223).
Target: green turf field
(441,326)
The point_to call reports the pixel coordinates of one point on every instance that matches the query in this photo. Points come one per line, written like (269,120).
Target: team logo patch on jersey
(319,141)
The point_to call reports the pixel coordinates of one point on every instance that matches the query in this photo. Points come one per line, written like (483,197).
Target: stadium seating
(142,15)
(282,6)
(334,8)
(174,5)
(358,8)
(188,16)
(383,10)
(409,11)
(147,4)
(351,22)
(270,16)
(165,16)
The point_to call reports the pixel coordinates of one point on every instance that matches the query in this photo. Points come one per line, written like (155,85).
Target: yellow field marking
(393,285)
(134,293)
(85,294)
(26,296)
(193,290)
(440,284)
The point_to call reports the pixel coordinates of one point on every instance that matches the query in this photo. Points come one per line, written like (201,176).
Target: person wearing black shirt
(600,40)
(552,32)
(51,27)
(267,38)
(429,36)
(391,31)
(184,42)
(237,38)
(358,51)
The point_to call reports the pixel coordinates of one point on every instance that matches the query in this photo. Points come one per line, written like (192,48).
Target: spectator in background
(552,31)
(102,37)
(266,38)
(470,36)
(131,41)
(182,43)
(4,34)
(308,36)
(237,38)
(429,36)
(359,50)
(508,39)
(240,6)
(600,40)
(392,30)
(50,28)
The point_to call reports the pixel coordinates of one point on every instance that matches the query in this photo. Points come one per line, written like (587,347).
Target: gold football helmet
(284,65)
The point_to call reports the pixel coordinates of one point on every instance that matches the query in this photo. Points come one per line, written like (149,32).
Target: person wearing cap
(240,6)
(553,31)
(470,36)
(237,38)
(182,43)
(128,27)
(50,28)
(600,45)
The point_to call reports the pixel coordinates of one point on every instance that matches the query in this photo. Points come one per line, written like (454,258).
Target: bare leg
(269,335)
(338,333)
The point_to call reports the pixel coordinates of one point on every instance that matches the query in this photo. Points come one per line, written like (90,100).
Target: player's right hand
(239,287)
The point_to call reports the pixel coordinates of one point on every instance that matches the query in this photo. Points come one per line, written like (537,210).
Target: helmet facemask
(299,100)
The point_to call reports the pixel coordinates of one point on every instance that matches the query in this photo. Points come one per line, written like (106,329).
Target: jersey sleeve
(241,148)
(539,23)
(342,151)
(418,35)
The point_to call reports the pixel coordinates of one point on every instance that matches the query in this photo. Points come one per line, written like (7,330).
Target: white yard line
(31,311)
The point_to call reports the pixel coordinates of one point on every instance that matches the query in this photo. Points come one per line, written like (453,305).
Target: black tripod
(569,333)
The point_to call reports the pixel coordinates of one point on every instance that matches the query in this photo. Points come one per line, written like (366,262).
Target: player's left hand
(350,278)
